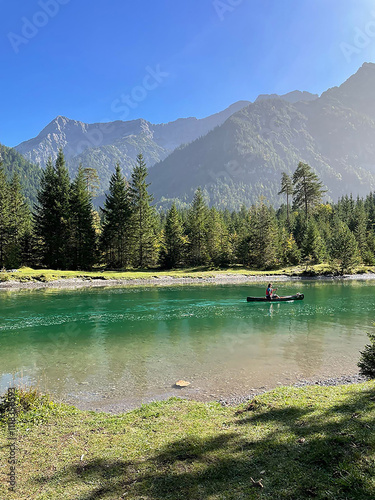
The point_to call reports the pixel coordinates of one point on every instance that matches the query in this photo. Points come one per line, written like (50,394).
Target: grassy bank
(27,274)
(314,442)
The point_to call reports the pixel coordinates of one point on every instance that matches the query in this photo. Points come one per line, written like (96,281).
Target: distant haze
(237,154)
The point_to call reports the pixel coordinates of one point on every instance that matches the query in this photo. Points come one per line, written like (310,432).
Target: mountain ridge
(239,153)
(245,157)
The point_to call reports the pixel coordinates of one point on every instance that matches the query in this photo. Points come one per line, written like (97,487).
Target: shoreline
(121,406)
(216,279)
(316,381)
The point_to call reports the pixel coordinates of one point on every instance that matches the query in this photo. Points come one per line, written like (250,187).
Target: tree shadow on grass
(297,453)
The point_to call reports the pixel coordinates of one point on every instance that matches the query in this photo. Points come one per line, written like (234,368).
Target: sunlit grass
(314,442)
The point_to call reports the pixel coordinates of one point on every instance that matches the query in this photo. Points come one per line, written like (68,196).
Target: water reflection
(90,345)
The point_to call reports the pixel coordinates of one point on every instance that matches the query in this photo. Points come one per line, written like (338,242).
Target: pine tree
(91,178)
(62,202)
(308,190)
(197,230)
(44,219)
(313,247)
(4,215)
(52,214)
(289,253)
(359,225)
(143,217)
(261,247)
(115,237)
(82,230)
(174,240)
(19,223)
(344,248)
(286,188)
(218,242)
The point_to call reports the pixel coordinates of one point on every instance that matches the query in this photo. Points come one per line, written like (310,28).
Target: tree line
(65,232)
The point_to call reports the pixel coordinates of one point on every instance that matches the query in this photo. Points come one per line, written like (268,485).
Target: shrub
(367,360)
(30,404)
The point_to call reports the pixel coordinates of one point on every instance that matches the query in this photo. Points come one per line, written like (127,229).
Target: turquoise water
(123,346)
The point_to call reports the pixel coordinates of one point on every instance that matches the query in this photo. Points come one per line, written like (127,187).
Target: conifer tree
(62,203)
(91,178)
(19,223)
(82,230)
(286,188)
(4,216)
(344,248)
(143,217)
(289,253)
(197,230)
(115,237)
(313,248)
(359,225)
(308,190)
(262,245)
(218,242)
(44,219)
(241,233)
(174,240)
(299,228)
(52,214)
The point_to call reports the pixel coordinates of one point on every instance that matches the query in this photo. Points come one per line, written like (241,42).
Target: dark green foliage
(289,253)
(14,221)
(4,215)
(28,174)
(344,248)
(133,234)
(197,227)
(115,238)
(287,189)
(82,230)
(218,239)
(261,247)
(313,247)
(174,240)
(367,360)
(143,229)
(52,214)
(19,224)
(308,190)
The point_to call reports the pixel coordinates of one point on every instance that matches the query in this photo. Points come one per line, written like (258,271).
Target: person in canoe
(270,292)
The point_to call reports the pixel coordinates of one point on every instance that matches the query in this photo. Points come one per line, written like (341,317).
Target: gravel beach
(217,279)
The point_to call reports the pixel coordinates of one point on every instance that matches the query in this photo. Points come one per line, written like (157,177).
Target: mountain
(291,97)
(238,154)
(357,93)
(243,158)
(102,145)
(29,174)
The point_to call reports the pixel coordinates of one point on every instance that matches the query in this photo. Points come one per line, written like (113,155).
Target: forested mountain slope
(29,174)
(244,158)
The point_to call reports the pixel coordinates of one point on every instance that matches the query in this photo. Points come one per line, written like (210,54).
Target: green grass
(26,274)
(314,442)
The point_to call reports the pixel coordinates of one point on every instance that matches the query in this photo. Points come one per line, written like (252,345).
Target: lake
(117,347)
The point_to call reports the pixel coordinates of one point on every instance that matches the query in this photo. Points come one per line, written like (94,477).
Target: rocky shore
(217,279)
(333,381)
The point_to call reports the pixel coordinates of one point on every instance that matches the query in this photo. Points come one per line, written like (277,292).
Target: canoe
(298,296)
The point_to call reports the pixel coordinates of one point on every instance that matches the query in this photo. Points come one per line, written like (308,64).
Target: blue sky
(107,60)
